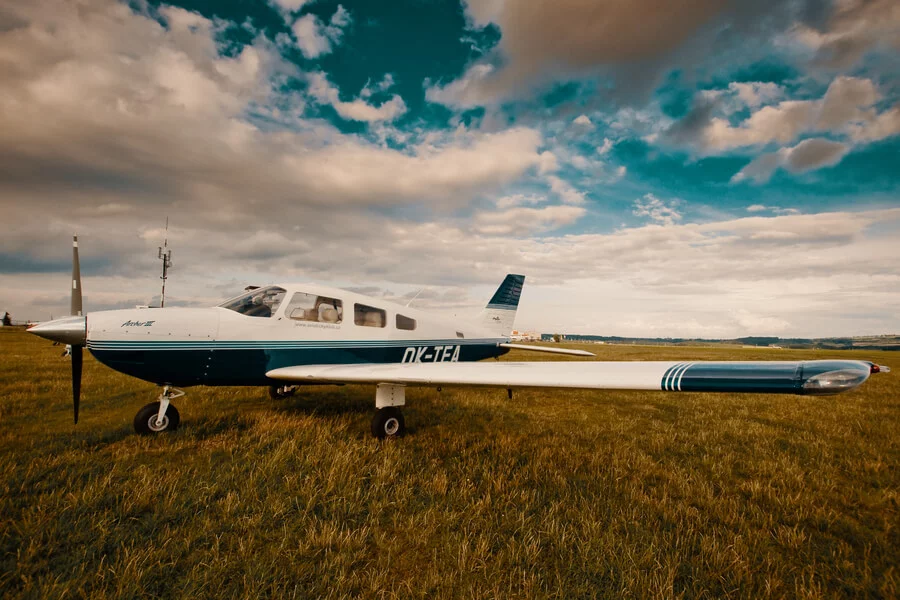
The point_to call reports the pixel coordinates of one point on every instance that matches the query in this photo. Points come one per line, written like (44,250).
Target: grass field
(552,494)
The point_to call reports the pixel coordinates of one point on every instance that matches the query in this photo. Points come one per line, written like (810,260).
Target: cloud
(125,115)
(386,83)
(658,210)
(565,191)
(630,43)
(174,124)
(463,93)
(775,209)
(605,147)
(315,38)
(290,5)
(524,220)
(846,107)
(505,202)
(756,93)
(325,92)
(855,28)
(583,122)
(808,155)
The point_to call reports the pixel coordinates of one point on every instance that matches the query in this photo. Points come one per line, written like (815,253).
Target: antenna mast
(165,255)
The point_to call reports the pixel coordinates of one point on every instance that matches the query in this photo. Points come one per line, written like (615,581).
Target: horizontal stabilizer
(548,350)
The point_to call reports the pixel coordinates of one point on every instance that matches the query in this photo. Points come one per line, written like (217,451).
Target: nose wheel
(160,416)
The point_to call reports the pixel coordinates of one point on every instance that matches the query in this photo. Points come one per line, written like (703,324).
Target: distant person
(7,320)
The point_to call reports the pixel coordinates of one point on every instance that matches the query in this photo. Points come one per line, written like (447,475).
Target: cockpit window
(261,302)
(311,307)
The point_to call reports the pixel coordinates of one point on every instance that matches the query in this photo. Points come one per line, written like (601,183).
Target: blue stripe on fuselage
(246,363)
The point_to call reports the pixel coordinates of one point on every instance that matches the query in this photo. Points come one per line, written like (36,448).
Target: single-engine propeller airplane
(284,336)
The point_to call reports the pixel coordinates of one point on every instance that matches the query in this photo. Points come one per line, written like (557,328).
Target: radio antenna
(165,255)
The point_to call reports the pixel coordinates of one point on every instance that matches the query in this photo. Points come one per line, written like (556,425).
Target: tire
(145,419)
(388,423)
(276,392)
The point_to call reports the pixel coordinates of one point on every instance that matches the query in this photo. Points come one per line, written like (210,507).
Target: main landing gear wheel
(280,392)
(147,421)
(388,423)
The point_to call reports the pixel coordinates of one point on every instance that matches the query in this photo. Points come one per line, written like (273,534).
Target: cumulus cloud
(386,83)
(125,115)
(828,287)
(168,124)
(583,122)
(855,27)
(356,110)
(631,43)
(775,209)
(290,5)
(808,155)
(605,147)
(466,92)
(565,191)
(756,93)
(848,110)
(525,220)
(657,210)
(315,38)
(847,107)
(518,200)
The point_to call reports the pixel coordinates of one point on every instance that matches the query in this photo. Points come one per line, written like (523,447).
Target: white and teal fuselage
(218,346)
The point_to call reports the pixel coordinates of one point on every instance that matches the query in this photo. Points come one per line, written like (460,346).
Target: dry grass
(552,494)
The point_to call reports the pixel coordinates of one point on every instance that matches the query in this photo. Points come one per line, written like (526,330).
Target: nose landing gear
(160,416)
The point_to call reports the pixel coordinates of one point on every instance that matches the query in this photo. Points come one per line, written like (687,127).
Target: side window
(405,323)
(368,316)
(310,307)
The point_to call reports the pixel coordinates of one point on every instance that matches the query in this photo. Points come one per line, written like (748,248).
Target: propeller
(71,331)
(77,350)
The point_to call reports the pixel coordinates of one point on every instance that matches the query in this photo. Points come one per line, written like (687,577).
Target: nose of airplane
(69,330)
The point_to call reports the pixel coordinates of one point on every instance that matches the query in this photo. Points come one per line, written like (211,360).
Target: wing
(819,377)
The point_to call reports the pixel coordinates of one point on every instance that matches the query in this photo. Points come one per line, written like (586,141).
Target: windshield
(261,302)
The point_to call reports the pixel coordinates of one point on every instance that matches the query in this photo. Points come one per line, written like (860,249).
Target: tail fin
(500,313)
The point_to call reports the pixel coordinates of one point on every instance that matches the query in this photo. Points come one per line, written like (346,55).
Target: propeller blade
(76,378)
(76,279)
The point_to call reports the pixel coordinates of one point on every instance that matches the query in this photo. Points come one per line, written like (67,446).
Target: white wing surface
(790,377)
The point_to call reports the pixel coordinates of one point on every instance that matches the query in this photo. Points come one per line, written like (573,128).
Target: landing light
(834,382)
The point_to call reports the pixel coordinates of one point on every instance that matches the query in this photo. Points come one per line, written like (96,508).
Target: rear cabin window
(406,323)
(368,316)
(315,308)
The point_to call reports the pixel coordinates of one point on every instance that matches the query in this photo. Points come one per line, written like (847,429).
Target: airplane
(287,335)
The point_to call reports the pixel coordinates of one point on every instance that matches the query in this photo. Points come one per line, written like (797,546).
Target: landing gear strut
(388,421)
(160,416)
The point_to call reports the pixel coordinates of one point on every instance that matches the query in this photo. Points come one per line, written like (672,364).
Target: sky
(690,168)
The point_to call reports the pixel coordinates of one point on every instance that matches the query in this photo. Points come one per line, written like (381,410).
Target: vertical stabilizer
(500,313)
